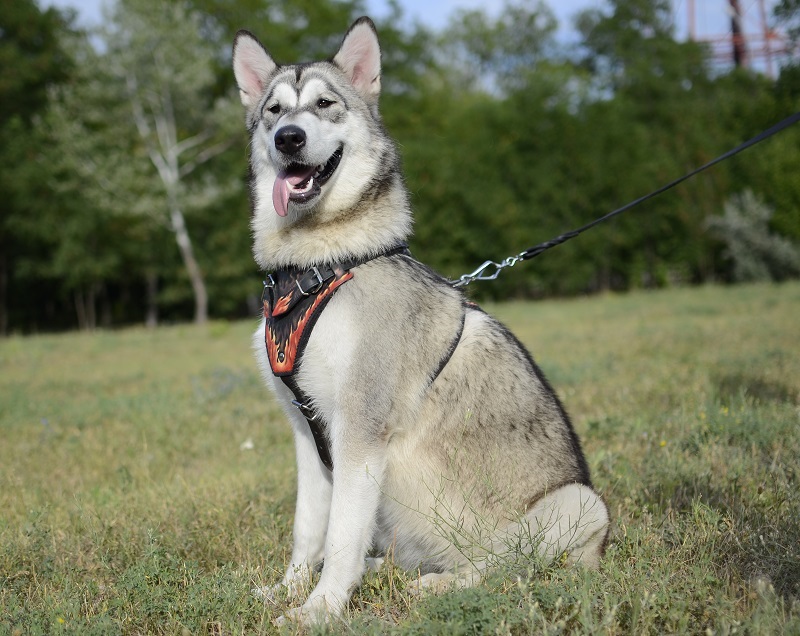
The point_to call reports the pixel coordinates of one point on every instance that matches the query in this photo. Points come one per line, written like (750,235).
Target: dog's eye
(274,109)
(324,103)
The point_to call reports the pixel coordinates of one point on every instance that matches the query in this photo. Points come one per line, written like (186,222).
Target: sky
(711,16)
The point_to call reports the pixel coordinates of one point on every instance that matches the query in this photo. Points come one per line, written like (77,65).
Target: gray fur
(449,446)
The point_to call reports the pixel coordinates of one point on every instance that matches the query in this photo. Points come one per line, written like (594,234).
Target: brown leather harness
(293,300)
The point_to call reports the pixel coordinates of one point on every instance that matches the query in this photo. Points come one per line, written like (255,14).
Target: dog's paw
(374,564)
(315,611)
(271,593)
(280,592)
(297,616)
(435,583)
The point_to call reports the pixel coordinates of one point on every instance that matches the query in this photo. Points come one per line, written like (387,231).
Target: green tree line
(123,167)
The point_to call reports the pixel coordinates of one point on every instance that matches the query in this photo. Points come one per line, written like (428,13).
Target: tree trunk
(151,318)
(80,309)
(165,151)
(3,294)
(105,308)
(189,261)
(85,307)
(91,313)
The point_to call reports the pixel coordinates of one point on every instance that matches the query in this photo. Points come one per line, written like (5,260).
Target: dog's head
(317,143)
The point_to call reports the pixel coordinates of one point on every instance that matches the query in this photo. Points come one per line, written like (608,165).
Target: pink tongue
(280,190)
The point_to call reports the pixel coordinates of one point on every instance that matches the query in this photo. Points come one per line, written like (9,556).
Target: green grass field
(147,478)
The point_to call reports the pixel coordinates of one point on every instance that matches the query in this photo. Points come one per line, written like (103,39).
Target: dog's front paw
(281,592)
(314,611)
(273,593)
(296,584)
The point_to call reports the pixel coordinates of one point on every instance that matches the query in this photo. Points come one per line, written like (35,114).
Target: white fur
(336,513)
(278,241)
(421,515)
(411,475)
(284,95)
(252,68)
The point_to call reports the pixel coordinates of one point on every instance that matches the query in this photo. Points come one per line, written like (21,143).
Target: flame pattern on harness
(290,316)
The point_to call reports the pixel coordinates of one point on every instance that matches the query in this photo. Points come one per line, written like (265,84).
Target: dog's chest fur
(376,346)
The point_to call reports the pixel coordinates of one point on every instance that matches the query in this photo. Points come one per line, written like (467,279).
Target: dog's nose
(290,139)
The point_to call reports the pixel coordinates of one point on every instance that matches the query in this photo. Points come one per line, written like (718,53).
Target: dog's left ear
(360,59)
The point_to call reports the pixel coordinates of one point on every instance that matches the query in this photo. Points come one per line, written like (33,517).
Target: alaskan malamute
(423,428)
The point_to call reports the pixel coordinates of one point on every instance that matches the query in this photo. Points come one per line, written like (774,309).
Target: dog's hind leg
(573,521)
(374,564)
(437,582)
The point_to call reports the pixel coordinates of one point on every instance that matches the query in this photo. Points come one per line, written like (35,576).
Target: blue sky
(710,15)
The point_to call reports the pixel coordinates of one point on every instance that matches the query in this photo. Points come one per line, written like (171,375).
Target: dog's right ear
(252,67)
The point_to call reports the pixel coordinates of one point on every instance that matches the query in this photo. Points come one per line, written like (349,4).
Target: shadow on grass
(733,386)
(750,532)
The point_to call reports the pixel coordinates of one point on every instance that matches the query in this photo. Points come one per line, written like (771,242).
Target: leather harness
(293,300)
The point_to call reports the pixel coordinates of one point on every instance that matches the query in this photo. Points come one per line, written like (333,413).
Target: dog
(422,426)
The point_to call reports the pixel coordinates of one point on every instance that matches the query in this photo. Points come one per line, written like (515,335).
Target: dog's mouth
(301,183)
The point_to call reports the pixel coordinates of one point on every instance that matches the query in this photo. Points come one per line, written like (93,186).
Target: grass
(147,478)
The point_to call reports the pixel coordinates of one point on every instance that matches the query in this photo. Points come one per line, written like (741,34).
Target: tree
(158,59)
(33,60)
(657,113)
(103,230)
(500,53)
(787,14)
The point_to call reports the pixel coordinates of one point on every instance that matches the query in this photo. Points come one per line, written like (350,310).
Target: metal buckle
(269,283)
(305,409)
(316,287)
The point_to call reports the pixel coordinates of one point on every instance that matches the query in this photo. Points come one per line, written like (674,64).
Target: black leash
(532,252)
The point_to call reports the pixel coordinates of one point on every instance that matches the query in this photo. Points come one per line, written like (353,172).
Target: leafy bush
(756,253)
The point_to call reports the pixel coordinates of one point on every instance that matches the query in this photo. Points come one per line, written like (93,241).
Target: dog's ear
(252,67)
(359,57)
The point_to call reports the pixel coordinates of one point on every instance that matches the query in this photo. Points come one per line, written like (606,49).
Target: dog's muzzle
(298,182)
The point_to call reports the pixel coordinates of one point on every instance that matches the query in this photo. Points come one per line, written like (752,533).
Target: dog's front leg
(312,511)
(357,477)
(314,491)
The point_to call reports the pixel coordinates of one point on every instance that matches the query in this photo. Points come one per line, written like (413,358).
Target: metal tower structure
(749,42)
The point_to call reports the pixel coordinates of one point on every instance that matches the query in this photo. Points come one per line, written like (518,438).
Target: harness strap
(317,425)
(293,300)
(453,344)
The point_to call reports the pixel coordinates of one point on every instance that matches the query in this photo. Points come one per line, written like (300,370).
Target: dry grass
(131,502)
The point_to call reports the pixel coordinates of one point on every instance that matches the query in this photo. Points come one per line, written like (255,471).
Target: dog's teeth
(301,188)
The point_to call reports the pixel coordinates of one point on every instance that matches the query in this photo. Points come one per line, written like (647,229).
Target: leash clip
(481,272)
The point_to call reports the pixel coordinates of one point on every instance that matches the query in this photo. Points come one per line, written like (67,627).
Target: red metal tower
(750,42)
